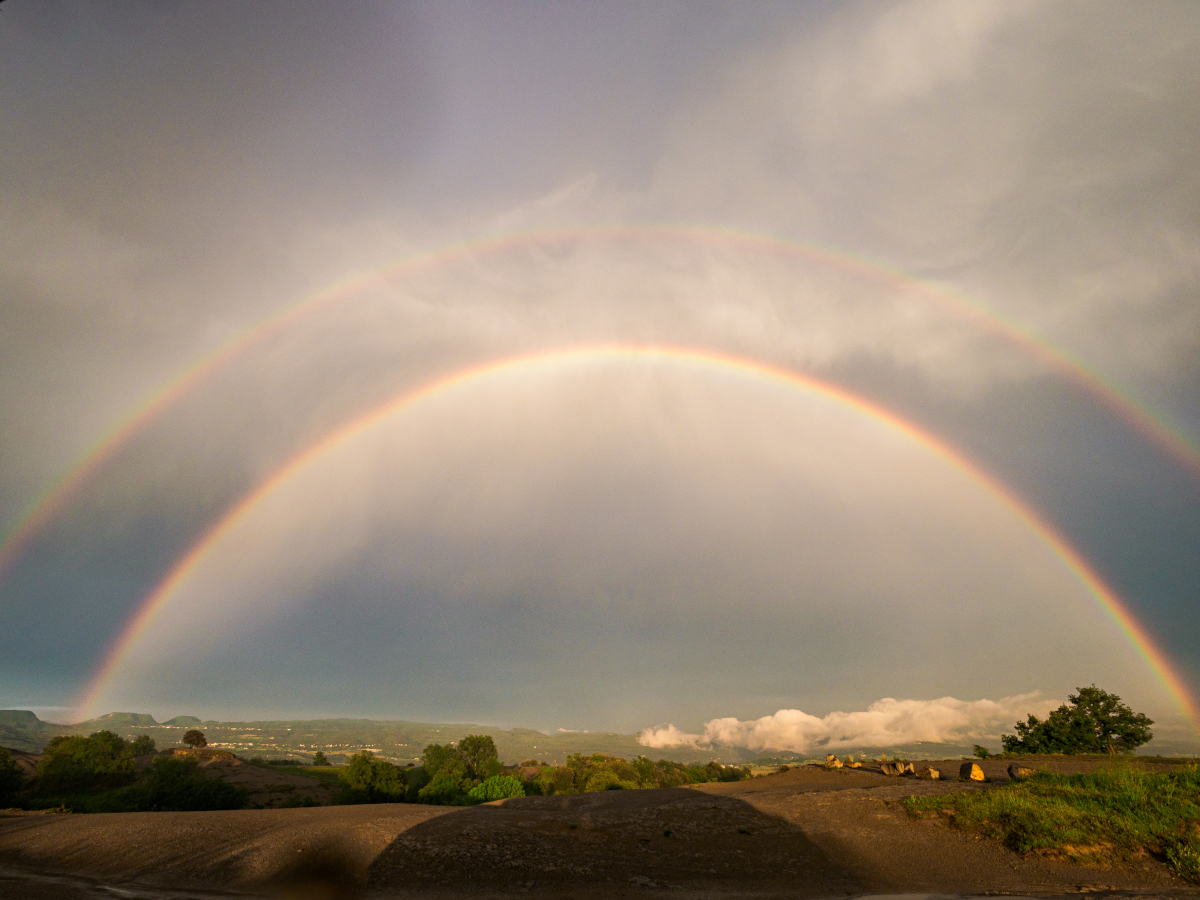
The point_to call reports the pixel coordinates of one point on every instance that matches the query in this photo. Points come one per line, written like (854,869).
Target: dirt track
(804,833)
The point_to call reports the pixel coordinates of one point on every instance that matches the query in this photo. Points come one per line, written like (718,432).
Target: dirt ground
(804,833)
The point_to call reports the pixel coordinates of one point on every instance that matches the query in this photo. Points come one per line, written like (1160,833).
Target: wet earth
(803,833)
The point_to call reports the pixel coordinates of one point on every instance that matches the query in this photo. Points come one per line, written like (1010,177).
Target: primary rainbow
(48,505)
(1152,655)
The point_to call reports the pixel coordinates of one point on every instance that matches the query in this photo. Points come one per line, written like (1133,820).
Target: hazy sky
(942,209)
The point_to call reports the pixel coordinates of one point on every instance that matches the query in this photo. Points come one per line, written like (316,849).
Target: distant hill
(183,722)
(403,741)
(20,729)
(117,720)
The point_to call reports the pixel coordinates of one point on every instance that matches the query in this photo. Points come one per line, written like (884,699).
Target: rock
(891,768)
(907,768)
(1016,773)
(832,762)
(928,773)
(970,771)
(851,764)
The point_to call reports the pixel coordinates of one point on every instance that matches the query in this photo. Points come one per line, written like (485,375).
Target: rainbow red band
(1154,657)
(54,501)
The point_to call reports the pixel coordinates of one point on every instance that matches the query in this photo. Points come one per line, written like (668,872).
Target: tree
(194,738)
(438,759)
(373,780)
(319,759)
(443,790)
(141,745)
(71,763)
(179,784)
(478,751)
(1094,721)
(12,779)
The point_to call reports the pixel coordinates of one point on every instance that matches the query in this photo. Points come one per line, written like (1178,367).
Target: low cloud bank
(884,723)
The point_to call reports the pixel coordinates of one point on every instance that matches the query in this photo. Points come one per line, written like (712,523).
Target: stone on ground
(971,772)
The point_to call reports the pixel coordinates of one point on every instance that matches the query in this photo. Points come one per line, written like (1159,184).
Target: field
(807,832)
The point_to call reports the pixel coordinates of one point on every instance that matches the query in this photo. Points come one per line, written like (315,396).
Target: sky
(752,373)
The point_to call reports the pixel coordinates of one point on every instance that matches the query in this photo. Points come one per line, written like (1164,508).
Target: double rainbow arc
(55,500)
(1114,607)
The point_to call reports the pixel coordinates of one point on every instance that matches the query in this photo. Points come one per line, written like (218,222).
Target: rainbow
(54,501)
(1108,600)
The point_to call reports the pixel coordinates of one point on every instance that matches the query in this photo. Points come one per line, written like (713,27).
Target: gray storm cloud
(885,723)
(179,176)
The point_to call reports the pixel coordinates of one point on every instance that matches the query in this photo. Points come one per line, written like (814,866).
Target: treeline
(470,772)
(106,773)
(99,773)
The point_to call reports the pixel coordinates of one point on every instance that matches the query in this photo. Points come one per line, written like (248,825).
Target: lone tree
(1094,721)
(194,738)
(319,759)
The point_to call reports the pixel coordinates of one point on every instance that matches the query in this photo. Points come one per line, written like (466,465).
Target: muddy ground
(804,833)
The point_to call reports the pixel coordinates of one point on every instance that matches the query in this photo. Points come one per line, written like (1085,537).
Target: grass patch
(327,774)
(1115,815)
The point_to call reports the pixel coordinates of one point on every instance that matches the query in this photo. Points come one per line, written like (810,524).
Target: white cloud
(886,722)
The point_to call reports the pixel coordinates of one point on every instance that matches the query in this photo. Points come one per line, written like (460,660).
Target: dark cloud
(178,172)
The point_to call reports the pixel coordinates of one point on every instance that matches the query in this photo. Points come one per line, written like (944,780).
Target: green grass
(1110,816)
(327,774)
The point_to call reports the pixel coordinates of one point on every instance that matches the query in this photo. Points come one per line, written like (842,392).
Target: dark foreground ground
(803,833)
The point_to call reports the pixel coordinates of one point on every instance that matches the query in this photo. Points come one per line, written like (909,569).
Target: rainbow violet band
(1157,661)
(58,497)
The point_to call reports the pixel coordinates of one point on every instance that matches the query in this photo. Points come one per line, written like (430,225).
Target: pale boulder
(832,762)
(971,772)
(929,773)
(1016,773)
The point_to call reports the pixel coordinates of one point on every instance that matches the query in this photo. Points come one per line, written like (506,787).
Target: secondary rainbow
(1154,658)
(51,503)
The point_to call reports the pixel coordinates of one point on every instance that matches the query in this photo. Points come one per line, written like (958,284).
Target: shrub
(498,787)
(101,760)
(12,779)
(1094,721)
(141,745)
(372,780)
(319,759)
(294,802)
(178,785)
(982,752)
(443,790)
(416,779)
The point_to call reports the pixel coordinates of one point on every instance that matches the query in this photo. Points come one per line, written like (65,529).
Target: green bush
(416,779)
(12,779)
(1094,721)
(141,745)
(101,760)
(443,790)
(371,780)
(294,802)
(178,785)
(498,787)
